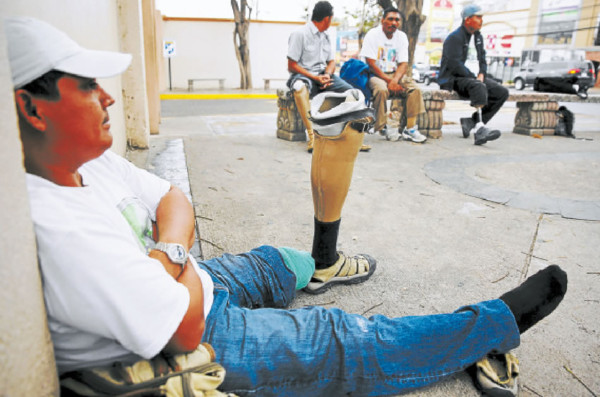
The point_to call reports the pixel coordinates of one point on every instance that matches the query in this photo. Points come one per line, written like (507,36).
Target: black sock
(537,297)
(324,243)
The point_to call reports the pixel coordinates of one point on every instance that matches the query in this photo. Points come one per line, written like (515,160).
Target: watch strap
(164,247)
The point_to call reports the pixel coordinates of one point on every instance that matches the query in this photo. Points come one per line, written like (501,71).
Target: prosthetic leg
(481,133)
(340,121)
(301,98)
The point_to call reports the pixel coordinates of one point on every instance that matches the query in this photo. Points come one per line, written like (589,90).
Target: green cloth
(301,263)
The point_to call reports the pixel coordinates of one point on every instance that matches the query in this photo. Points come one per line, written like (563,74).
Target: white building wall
(201,52)
(205,49)
(268,52)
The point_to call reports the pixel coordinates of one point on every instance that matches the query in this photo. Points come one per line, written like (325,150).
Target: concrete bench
(268,81)
(191,82)
(536,113)
(289,124)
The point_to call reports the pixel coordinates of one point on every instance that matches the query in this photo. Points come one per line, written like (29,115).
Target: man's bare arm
(330,69)
(392,82)
(175,224)
(400,72)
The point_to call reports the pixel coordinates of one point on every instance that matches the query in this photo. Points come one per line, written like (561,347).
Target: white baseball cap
(36,47)
(470,10)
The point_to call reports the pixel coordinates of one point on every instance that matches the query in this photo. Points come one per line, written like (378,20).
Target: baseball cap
(36,47)
(470,10)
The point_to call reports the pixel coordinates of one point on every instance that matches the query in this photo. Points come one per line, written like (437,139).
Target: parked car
(417,70)
(577,72)
(425,73)
(431,75)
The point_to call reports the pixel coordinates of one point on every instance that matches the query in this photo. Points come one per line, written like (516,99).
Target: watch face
(177,253)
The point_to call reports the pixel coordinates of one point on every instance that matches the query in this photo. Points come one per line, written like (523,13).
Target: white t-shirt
(106,299)
(387,52)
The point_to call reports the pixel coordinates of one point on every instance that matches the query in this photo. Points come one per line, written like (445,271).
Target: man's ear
(28,109)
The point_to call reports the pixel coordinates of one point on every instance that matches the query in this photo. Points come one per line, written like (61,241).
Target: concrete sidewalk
(449,223)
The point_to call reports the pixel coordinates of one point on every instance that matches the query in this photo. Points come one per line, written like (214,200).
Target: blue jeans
(338,84)
(315,351)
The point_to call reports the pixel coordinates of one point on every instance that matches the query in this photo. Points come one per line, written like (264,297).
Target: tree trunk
(240,41)
(361,27)
(412,19)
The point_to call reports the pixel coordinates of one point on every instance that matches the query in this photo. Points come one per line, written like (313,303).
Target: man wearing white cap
(486,95)
(119,284)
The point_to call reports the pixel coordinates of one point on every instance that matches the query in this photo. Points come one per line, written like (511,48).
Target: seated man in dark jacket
(486,95)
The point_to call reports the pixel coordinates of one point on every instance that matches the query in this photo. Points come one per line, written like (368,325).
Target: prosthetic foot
(482,134)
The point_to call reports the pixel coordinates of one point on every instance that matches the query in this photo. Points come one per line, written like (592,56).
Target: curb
(217,96)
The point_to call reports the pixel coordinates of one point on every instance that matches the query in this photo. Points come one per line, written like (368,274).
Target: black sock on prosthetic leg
(324,243)
(537,297)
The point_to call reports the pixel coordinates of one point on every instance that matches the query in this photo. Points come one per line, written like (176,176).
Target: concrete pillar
(135,103)
(26,357)
(151,61)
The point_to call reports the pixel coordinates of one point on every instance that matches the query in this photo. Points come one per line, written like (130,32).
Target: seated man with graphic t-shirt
(385,50)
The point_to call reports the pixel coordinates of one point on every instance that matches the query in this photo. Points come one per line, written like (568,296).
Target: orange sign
(506,41)
(442,4)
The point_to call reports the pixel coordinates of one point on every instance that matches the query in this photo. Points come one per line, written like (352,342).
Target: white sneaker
(391,134)
(413,134)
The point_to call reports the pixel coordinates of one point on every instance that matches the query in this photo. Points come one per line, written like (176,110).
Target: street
(449,223)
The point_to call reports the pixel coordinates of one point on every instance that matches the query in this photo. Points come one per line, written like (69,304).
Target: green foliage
(365,16)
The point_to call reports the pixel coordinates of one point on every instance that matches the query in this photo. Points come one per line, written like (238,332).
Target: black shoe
(467,125)
(582,93)
(484,134)
(494,134)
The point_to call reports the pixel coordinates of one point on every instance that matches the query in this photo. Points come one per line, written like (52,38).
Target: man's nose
(105,98)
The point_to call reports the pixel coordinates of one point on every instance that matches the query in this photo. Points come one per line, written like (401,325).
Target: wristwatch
(176,252)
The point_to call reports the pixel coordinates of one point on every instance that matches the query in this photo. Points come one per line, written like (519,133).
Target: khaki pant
(414,100)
